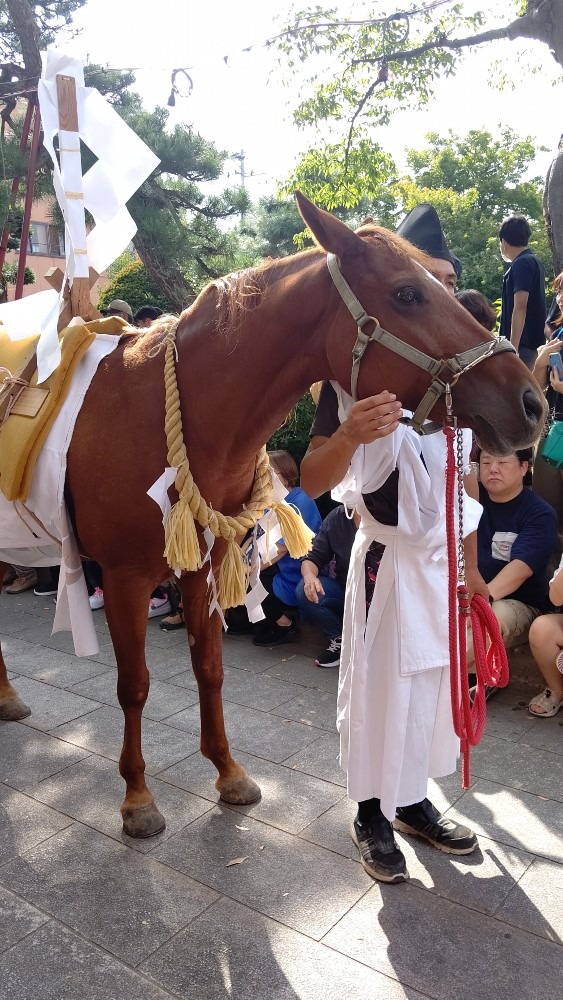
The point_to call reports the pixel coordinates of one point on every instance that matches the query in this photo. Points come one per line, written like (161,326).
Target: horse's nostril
(533,405)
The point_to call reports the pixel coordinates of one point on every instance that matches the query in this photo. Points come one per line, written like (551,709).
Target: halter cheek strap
(445,373)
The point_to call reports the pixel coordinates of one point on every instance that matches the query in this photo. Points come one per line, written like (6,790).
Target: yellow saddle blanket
(22,436)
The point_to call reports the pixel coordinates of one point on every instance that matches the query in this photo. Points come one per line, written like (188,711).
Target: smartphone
(556,364)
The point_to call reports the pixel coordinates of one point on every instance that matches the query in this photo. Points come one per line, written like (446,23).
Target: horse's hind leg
(12,708)
(205,640)
(126,599)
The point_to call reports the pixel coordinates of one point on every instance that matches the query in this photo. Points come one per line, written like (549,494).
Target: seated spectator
(546,644)
(515,537)
(547,479)
(146,315)
(281,574)
(44,580)
(479,307)
(320,593)
(119,308)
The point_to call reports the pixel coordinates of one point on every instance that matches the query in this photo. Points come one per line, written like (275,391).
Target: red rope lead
(491,664)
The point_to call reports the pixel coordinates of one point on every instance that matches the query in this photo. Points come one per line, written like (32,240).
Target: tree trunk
(553,208)
(25,25)
(171,282)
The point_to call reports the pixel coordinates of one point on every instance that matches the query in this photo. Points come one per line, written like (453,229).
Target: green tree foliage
(473,181)
(49,15)
(133,284)
(9,276)
(293,435)
(364,70)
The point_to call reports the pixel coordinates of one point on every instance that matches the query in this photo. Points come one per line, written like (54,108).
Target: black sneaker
(423,820)
(276,634)
(379,853)
(45,591)
(330,657)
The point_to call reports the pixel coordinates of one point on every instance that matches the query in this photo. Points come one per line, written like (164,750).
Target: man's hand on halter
(372,418)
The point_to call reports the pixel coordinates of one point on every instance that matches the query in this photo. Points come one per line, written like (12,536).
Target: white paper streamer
(124,162)
(159,490)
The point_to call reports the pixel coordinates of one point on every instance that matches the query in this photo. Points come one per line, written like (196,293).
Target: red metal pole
(31,168)
(16,182)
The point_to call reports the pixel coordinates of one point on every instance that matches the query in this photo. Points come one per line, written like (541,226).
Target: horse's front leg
(12,708)
(126,599)
(205,641)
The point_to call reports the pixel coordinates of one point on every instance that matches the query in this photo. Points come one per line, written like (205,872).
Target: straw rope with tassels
(182,550)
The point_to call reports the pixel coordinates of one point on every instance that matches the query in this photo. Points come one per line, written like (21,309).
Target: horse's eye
(407,295)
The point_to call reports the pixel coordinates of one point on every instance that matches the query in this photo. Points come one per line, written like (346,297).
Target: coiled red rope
(491,663)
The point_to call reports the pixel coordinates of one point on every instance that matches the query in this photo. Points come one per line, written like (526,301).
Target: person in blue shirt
(281,574)
(515,537)
(522,317)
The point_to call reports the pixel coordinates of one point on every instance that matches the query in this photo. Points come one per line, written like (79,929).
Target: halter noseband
(445,373)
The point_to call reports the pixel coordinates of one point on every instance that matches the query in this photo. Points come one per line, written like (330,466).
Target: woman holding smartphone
(547,480)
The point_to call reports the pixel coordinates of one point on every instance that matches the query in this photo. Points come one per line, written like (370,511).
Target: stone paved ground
(88,914)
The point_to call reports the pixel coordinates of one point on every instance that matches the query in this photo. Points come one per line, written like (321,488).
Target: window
(45,240)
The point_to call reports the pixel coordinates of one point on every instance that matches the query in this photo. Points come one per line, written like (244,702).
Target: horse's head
(493,393)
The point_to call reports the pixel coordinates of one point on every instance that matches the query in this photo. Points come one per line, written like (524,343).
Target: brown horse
(248,349)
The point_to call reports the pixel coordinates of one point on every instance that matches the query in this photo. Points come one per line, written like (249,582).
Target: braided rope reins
(182,549)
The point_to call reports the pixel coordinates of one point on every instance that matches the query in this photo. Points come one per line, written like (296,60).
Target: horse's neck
(253,375)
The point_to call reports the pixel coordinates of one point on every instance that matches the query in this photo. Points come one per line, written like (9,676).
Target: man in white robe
(394,708)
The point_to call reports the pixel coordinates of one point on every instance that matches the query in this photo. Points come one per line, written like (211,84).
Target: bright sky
(244,103)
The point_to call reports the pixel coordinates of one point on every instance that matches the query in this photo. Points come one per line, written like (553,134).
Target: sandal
(548,702)
(172,622)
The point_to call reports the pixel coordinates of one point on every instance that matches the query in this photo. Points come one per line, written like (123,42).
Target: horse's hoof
(14,709)
(142,822)
(238,791)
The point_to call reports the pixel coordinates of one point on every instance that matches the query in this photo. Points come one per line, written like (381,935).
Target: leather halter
(445,373)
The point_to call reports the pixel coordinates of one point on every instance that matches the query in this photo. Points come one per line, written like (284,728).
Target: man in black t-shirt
(522,319)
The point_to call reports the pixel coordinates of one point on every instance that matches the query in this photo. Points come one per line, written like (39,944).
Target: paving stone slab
(25,823)
(302,670)
(507,716)
(41,635)
(313,708)
(296,883)
(19,622)
(535,904)
(125,903)
(51,706)
(244,687)
(53,963)
(28,755)
(92,792)
(517,819)
(320,758)
(545,734)
(164,698)
(240,651)
(520,766)
(51,666)
(290,800)
(453,952)
(255,732)
(17,919)
(102,732)
(230,951)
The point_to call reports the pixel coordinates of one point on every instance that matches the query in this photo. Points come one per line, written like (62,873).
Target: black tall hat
(423,228)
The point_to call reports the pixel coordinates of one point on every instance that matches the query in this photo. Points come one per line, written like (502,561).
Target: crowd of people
(374,580)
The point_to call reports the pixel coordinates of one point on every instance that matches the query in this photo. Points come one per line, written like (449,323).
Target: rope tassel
(182,550)
(295,533)
(233,577)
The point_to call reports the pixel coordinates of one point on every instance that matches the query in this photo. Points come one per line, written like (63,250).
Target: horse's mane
(242,291)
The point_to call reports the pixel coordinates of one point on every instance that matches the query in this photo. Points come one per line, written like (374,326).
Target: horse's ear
(329,232)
